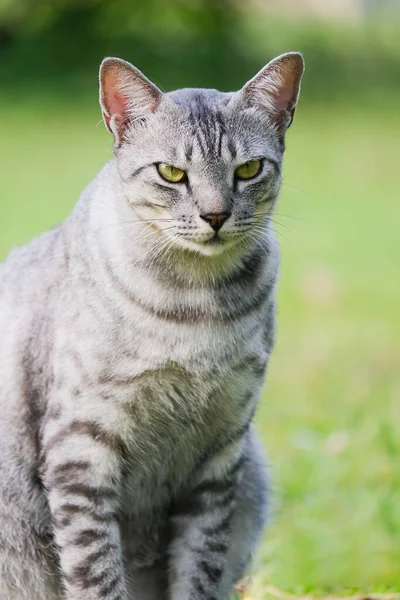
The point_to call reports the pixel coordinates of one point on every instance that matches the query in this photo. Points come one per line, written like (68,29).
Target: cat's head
(201,167)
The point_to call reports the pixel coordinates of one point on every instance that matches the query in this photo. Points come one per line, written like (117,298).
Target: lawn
(330,412)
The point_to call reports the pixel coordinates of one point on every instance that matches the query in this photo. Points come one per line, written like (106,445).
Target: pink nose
(216,220)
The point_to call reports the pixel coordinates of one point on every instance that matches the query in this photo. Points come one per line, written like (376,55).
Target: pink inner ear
(285,89)
(126,95)
(285,97)
(116,103)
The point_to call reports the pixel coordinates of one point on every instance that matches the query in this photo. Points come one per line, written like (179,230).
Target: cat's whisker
(150,252)
(284,226)
(282,235)
(156,244)
(258,239)
(128,223)
(146,235)
(142,239)
(144,221)
(166,250)
(165,243)
(142,260)
(280,215)
(296,190)
(154,249)
(263,213)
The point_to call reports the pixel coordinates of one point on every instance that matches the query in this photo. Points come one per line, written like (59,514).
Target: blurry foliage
(174,41)
(56,45)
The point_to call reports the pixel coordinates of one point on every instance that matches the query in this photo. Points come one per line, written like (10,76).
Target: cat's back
(30,277)
(26,269)
(27,278)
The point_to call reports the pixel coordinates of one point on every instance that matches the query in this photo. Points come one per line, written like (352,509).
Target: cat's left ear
(276,87)
(126,95)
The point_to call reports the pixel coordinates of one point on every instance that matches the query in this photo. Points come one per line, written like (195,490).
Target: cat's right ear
(276,88)
(126,95)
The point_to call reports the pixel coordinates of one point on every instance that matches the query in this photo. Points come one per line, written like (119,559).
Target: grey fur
(132,352)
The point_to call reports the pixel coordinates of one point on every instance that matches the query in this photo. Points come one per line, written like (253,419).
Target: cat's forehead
(199,101)
(218,127)
(203,120)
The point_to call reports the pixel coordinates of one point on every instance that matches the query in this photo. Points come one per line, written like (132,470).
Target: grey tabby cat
(134,341)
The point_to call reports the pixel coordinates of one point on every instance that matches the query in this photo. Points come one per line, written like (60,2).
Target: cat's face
(200,167)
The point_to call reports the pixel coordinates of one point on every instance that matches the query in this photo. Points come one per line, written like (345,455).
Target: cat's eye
(171,173)
(248,170)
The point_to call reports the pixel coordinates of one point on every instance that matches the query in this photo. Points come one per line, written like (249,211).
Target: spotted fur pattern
(134,342)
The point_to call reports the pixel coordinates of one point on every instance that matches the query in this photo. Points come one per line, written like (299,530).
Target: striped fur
(134,345)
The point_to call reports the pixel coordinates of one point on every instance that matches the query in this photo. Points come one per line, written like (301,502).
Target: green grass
(330,412)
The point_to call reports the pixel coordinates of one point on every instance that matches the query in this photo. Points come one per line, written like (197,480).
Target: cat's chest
(177,420)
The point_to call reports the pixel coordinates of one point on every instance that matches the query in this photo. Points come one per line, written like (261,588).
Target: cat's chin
(213,247)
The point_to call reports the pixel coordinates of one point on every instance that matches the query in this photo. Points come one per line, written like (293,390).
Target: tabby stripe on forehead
(209,131)
(189,152)
(221,130)
(203,149)
(196,134)
(232,149)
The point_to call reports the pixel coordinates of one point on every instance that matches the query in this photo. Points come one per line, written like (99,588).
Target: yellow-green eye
(248,170)
(170,173)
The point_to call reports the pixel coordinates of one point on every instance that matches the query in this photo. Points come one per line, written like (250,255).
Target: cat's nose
(216,220)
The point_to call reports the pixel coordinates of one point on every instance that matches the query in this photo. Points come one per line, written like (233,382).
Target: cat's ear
(276,87)
(125,95)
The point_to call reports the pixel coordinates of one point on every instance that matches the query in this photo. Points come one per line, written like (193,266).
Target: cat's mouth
(218,240)
(212,244)
(215,240)
(218,243)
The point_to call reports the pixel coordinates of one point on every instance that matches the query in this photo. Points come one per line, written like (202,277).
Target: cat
(134,342)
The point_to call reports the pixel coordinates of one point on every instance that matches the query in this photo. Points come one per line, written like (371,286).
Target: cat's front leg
(82,477)
(201,524)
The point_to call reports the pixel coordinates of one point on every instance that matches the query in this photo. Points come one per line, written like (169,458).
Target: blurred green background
(330,415)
